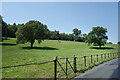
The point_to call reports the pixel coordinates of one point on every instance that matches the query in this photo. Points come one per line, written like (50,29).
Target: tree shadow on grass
(7,44)
(102,48)
(40,48)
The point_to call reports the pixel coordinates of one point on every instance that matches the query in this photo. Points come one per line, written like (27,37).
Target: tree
(109,43)
(97,36)
(84,37)
(47,35)
(71,37)
(12,30)
(76,32)
(4,27)
(31,31)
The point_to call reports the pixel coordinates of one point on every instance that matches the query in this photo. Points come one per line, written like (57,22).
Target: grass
(17,54)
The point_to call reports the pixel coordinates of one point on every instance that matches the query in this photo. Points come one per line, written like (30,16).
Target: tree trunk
(32,42)
(100,46)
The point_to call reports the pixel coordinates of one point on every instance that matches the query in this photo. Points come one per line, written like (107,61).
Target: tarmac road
(107,71)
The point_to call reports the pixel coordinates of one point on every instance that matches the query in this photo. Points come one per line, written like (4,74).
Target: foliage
(31,31)
(12,30)
(109,43)
(119,42)
(4,28)
(16,55)
(97,36)
(76,31)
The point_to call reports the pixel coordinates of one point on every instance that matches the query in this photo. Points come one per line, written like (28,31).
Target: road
(107,71)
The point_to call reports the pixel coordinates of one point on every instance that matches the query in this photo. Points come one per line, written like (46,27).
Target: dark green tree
(76,32)
(71,37)
(84,37)
(31,31)
(12,30)
(4,27)
(97,36)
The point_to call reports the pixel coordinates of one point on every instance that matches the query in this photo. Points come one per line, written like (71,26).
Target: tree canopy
(97,36)
(31,31)
(76,31)
(4,28)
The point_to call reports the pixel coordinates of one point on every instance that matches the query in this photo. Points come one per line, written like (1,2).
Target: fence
(68,67)
(79,63)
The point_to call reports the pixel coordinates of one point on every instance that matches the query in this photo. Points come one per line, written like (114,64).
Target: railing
(76,63)
(73,64)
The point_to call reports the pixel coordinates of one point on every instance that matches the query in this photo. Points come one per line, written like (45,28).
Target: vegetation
(13,30)
(31,31)
(76,31)
(14,54)
(97,36)
(4,28)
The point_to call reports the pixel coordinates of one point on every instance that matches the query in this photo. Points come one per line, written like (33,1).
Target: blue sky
(65,16)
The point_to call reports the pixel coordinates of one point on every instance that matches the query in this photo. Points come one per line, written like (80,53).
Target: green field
(16,54)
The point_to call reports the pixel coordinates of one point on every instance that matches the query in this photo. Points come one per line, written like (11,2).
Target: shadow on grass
(41,48)
(7,44)
(102,48)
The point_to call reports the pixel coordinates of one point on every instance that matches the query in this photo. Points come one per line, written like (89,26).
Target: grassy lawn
(16,54)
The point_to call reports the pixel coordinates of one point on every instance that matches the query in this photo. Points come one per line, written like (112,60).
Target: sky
(65,16)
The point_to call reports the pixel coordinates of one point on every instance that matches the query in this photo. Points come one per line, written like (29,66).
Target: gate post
(91,58)
(55,68)
(97,57)
(75,70)
(66,65)
(85,61)
(105,56)
(101,56)
(110,55)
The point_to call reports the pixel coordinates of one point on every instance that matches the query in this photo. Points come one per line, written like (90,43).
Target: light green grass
(46,51)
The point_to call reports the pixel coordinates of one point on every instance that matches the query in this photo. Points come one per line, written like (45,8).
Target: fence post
(101,56)
(105,56)
(66,65)
(97,57)
(91,58)
(55,68)
(108,55)
(85,61)
(75,70)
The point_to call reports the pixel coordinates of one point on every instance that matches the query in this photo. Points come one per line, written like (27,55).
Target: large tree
(97,36)
(31,31)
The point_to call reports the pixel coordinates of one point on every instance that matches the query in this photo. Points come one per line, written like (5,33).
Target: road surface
(107,71)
